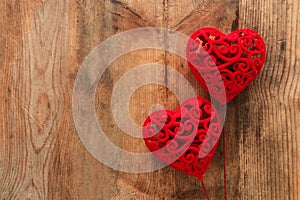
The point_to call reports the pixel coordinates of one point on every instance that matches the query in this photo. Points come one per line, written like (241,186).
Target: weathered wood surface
(42,45)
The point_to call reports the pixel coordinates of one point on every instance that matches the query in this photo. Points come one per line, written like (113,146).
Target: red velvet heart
(238,56)
(185,139)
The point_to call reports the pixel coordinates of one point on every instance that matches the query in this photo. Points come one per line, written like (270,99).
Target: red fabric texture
(238,56)
(179,137)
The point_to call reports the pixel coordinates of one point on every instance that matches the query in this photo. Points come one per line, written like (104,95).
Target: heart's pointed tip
(200,178)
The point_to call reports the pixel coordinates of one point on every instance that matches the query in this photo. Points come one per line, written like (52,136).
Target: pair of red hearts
(224,65)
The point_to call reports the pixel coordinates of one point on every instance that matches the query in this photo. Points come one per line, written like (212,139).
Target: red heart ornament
(185,139)
(236,59)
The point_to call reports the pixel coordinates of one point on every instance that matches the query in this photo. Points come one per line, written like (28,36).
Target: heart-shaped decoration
(185,139)
(233,60)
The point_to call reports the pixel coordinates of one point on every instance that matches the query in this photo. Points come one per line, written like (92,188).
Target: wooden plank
(33,96)
(269,109)
(42,46)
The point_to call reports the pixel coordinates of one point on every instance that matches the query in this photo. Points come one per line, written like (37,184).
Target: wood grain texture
(270,136)
(43,44)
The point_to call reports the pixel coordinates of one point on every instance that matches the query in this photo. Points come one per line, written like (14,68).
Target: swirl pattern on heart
(238,56)
(185,139)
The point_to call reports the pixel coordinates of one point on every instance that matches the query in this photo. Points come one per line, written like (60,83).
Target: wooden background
(42,45)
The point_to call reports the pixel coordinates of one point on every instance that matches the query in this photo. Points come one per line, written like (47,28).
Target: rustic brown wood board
(44,42)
